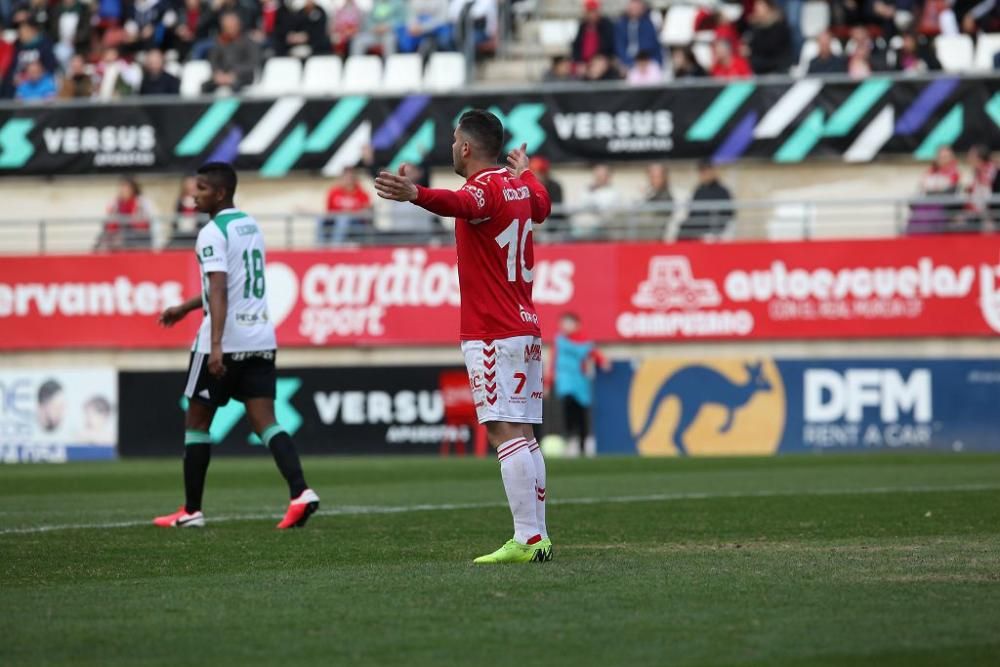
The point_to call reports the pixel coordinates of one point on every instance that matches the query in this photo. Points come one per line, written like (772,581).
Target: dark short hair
(484,129)
(221,174)
(48,389)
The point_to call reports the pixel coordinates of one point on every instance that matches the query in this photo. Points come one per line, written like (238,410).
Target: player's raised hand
(517,160)
(171,316)
(397,187)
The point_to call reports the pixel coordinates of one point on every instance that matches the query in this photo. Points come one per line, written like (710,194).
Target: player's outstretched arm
(396,187)
(174,314)
(462,204)
(218,305)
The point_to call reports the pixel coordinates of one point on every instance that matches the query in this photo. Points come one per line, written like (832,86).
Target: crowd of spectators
(949,202)
(864,36)
(83,48)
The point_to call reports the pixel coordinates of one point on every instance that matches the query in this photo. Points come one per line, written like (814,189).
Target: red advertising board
(940,286)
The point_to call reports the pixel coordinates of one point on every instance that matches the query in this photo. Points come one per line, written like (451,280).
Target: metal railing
(391,225)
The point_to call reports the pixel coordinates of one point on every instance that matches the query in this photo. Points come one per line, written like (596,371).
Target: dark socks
(196,458)
(283,451)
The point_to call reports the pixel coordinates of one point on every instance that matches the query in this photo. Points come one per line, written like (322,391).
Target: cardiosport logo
(707,408)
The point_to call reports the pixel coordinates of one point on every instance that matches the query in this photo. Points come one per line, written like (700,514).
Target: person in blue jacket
(574,358)
(635,34)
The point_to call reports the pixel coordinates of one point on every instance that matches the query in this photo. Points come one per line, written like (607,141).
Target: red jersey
(339,199)
(494,213)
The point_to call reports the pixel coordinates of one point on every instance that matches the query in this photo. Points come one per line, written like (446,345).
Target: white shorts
(506,379)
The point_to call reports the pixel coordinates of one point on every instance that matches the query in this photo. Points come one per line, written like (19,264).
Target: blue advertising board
(747,407)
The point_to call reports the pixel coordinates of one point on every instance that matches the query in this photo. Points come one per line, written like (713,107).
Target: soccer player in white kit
(233,354)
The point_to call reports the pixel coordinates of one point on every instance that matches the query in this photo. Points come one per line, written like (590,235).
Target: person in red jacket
(729,65)
(344,198)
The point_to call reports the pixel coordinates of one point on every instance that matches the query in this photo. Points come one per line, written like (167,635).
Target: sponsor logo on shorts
(263,354)
(532,353)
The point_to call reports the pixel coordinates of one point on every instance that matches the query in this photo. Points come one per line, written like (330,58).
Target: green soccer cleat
(515,552)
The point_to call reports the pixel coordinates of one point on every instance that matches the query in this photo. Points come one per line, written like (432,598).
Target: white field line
(352,510)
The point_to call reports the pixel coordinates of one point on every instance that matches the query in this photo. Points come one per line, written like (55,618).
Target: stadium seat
(703,54)
(404,72)
(815,18)
(281,76)
(322,75)
(556,35)
(445,72)
(955,52)
(678,28)
(362,74)
(196,73)
(987,45)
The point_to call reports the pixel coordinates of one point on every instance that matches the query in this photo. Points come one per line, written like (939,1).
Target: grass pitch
(886,560)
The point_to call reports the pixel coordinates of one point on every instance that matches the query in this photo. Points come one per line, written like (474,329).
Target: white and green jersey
(232,244)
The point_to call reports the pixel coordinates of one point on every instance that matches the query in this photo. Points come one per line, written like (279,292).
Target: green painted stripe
(286,154)
(207,127)
(856,106)
(993,108)
(197,438)
(416,148)
(944,134)
(802,141)
(720,111)
(335,122)
(270,432)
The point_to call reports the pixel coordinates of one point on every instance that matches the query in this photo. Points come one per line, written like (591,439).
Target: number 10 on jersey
(508,239)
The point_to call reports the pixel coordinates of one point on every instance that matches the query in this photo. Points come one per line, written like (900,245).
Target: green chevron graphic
(207,127)
(416,147)
(228,416)
(300,140)
(944,134)
(720,111)
(803,140)
(993,109)
(864,97)
(15,147)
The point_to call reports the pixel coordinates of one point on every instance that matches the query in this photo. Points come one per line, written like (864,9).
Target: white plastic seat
(321,76)
(362,74)
(445,71)
(281,76)
(678,27)
(404,72)
(195,75)
(987,46)
(815,18)
(557,35)
(955,52)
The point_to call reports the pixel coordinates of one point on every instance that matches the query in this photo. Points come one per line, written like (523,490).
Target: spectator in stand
(600,68)
(985,185)
(116,76)
(983,16)
(938,17)
(645,71)
(427,28)
(380,28)
(144,25)
(482,15)
(685,65)
(865,58)
(31,46)
(155,80)
(6,56)
(189,29)
(769,39)
(826,62)
(659,198)
(791,10)
(36,84)
(596,35)
(78,82)
(541,168)
(597,205)
(37,11)
(929,214)
(344,201)
(187,220)
(212,17)
(305,32)
(561,71)
(70,29)
(729,65)
(235,58)
(129,221)
(710,212)
(635,34)
(346,25)
(572,372)
(914,57)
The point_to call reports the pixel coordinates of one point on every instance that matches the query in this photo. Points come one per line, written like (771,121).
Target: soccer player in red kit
(494,213)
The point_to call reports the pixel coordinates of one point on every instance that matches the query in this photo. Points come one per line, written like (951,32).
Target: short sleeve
(211,249)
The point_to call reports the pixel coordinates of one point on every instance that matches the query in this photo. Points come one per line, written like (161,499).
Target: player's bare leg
(304,501)
(517,468)
(197,455)
(528,432)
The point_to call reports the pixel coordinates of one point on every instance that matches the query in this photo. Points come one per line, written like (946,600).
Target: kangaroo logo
(701,390)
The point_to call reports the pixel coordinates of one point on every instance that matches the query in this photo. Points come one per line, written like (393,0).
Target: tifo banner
(342,410)
(782,121)
(58,414)
(943,286)
(751,407)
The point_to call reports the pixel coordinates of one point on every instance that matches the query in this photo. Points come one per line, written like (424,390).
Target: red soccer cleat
(299,510)
(180,519)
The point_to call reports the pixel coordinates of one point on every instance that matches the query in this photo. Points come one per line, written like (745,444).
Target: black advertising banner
(785,122)
(342,410)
